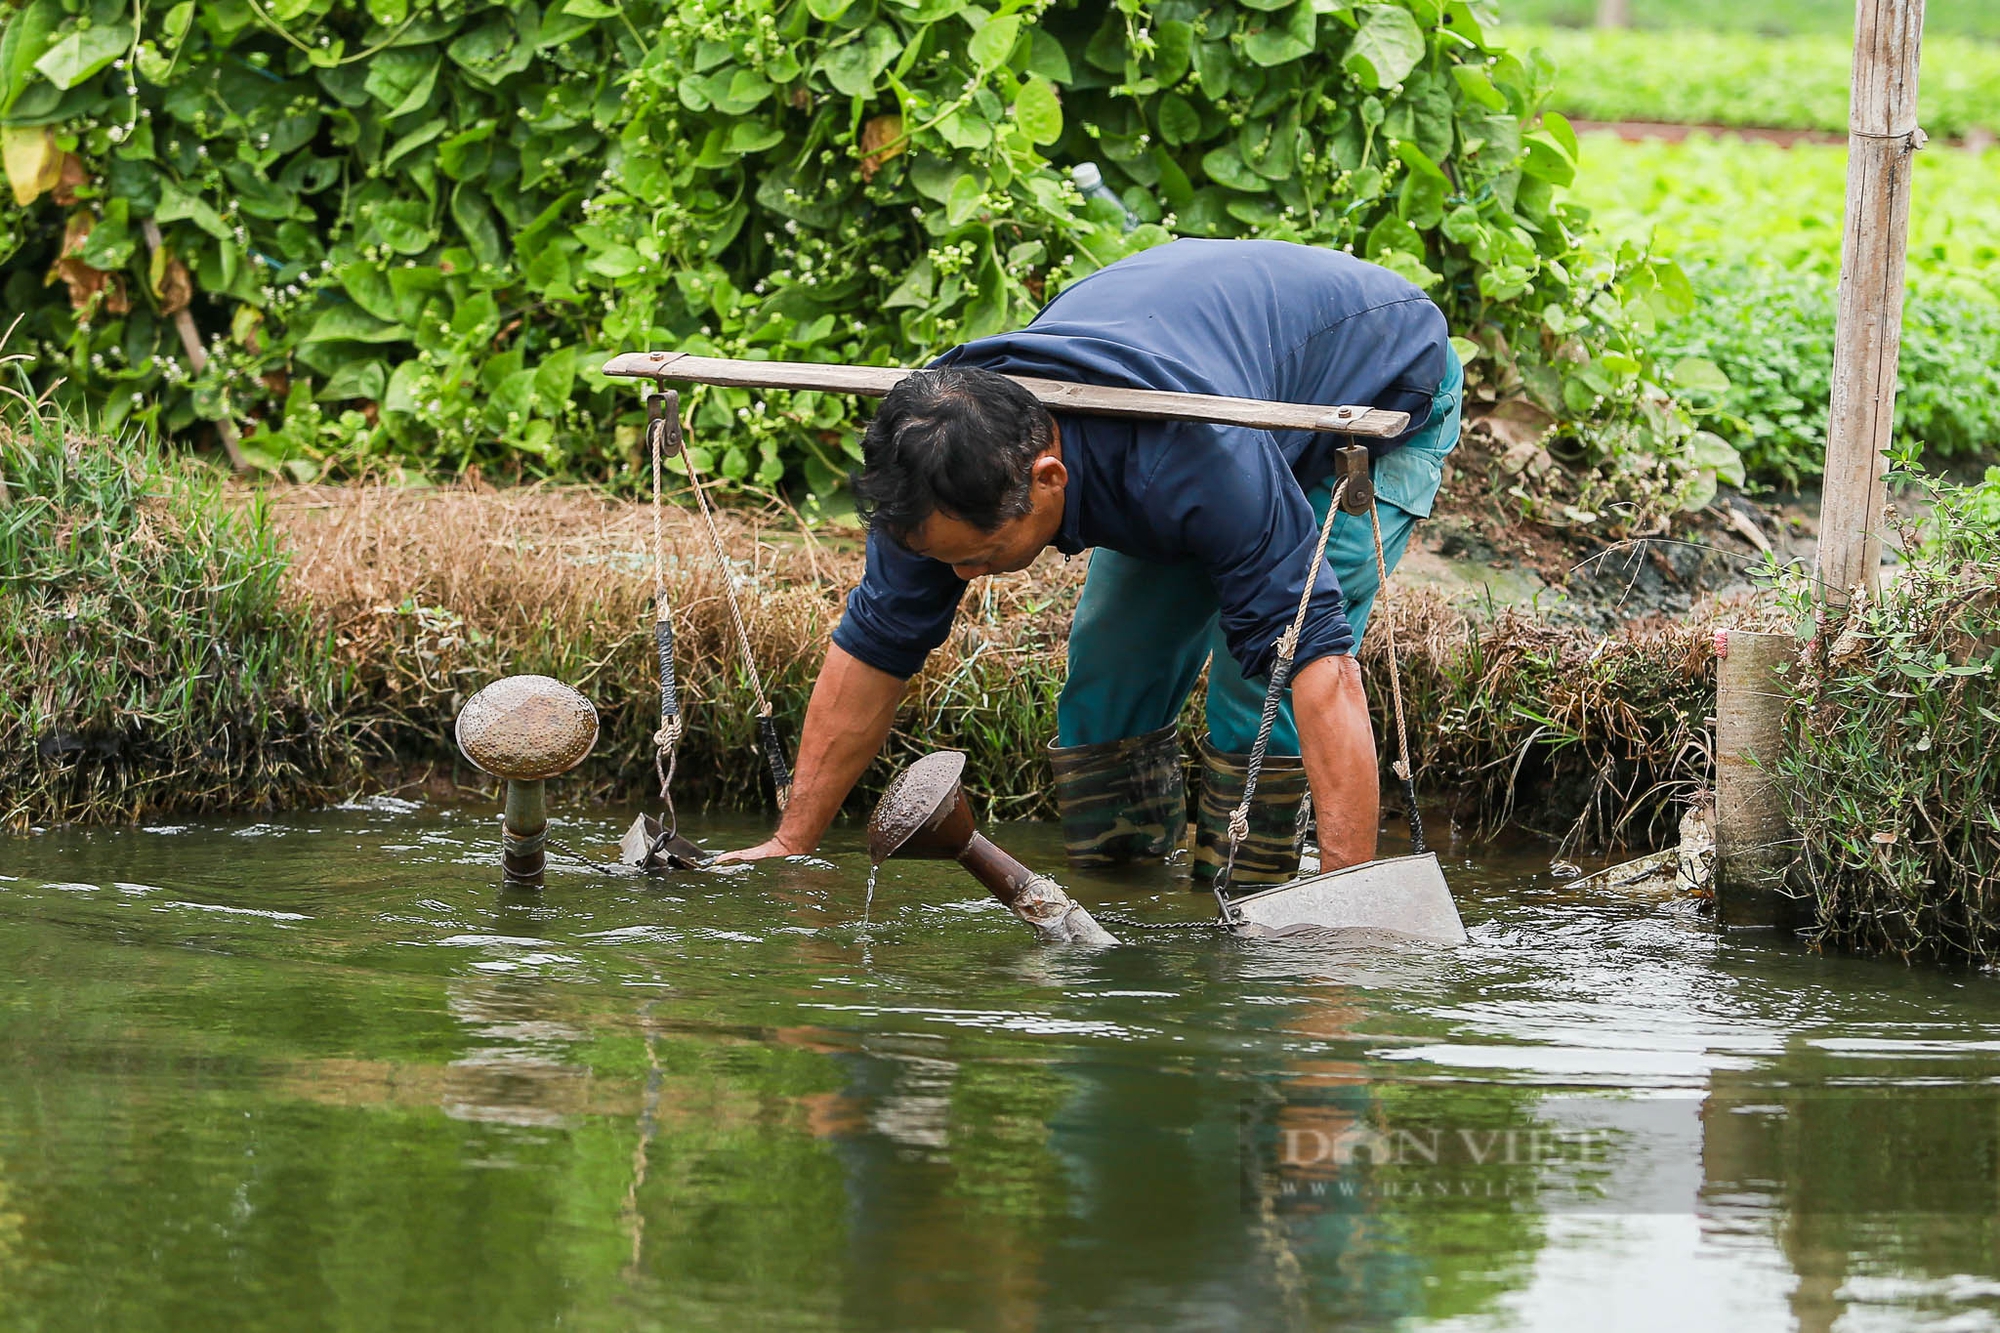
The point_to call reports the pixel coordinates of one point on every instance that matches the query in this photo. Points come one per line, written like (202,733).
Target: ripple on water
(661,1083)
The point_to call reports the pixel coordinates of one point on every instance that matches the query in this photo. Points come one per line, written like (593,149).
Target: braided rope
(667,740)
(668,426)
(1403,769)
(1288,643)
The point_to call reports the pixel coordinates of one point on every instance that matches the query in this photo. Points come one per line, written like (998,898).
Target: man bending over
(1203,536)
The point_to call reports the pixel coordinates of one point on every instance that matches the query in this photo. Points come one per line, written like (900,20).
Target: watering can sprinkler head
(526,729)
(924,815)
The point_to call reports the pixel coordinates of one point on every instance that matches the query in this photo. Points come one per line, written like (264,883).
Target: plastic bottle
(1090,180)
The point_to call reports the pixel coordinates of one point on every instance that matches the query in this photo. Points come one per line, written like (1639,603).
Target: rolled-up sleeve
(1242,514)
(901,609)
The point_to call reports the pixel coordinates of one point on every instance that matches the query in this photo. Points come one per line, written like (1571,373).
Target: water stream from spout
(867,907)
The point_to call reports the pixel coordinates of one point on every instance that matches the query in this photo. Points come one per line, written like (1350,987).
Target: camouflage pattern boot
(1270,854)
(1121,800)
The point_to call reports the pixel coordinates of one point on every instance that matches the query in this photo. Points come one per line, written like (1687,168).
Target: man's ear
(1048,472)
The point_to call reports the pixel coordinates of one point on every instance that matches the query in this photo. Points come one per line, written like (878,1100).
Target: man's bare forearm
(853,706)
(1338,743)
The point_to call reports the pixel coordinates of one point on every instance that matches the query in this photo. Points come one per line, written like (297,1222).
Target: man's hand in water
(846,723)
(769,849)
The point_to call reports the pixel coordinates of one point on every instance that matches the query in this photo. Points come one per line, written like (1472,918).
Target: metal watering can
(924,815)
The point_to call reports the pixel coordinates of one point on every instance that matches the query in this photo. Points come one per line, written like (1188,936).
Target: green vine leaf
(84,53)
(451,212)
(1386,47)
(1277,43)
(1037,111)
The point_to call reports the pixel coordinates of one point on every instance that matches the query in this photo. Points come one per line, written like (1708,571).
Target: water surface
(322,1071)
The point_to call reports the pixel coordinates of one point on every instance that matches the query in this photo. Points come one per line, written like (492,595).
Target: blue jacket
(1252,319)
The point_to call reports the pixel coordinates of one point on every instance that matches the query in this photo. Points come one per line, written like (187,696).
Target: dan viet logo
(1344,1153)
(1368,1145)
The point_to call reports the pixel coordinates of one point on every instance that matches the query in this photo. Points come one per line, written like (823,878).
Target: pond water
(321,1071)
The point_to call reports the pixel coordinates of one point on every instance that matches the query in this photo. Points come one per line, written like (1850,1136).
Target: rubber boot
(1121,800)
(1270,853)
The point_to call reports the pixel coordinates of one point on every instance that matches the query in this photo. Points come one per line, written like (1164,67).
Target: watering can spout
(924,816)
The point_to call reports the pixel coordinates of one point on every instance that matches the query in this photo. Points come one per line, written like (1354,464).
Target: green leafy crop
(406,232)
(1758,227)
(1735,78)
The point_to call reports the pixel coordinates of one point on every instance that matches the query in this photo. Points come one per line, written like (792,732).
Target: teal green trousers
(1143,631)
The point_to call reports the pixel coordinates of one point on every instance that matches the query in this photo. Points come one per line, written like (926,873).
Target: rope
(667,740)
(1288,643)
(1281,670)
(556,844)
(665,426)
(1130,923)
(1402,764)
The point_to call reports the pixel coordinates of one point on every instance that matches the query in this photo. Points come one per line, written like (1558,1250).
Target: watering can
(924,815)
(526,729)
(1402,898)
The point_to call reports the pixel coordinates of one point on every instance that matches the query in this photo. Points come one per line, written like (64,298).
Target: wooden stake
(1882,139)
(1754,841)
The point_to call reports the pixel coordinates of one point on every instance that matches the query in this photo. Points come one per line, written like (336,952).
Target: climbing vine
(406,231)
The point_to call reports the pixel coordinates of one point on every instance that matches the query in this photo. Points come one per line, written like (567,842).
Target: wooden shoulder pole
(1882,139)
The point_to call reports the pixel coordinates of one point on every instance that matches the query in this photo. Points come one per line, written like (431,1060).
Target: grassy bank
(176,647)
(151,659)
(168,646)
(429,594)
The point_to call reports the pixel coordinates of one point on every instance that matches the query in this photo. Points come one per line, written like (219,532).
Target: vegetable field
(1771,18)
(1730,78)
(1758,228)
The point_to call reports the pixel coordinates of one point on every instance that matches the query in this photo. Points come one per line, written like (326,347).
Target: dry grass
(431,593)
(1591,738)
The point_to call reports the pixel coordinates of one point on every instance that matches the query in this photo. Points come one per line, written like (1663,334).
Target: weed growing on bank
(149,661)
(1894,752)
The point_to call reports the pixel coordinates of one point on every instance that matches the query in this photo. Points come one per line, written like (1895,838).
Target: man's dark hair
(960,442)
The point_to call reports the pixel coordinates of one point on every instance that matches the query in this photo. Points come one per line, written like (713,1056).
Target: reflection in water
(324,1064)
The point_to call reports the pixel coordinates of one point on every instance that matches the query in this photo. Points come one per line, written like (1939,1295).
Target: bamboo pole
(1060,395)
(1883,137)
(1753,842)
